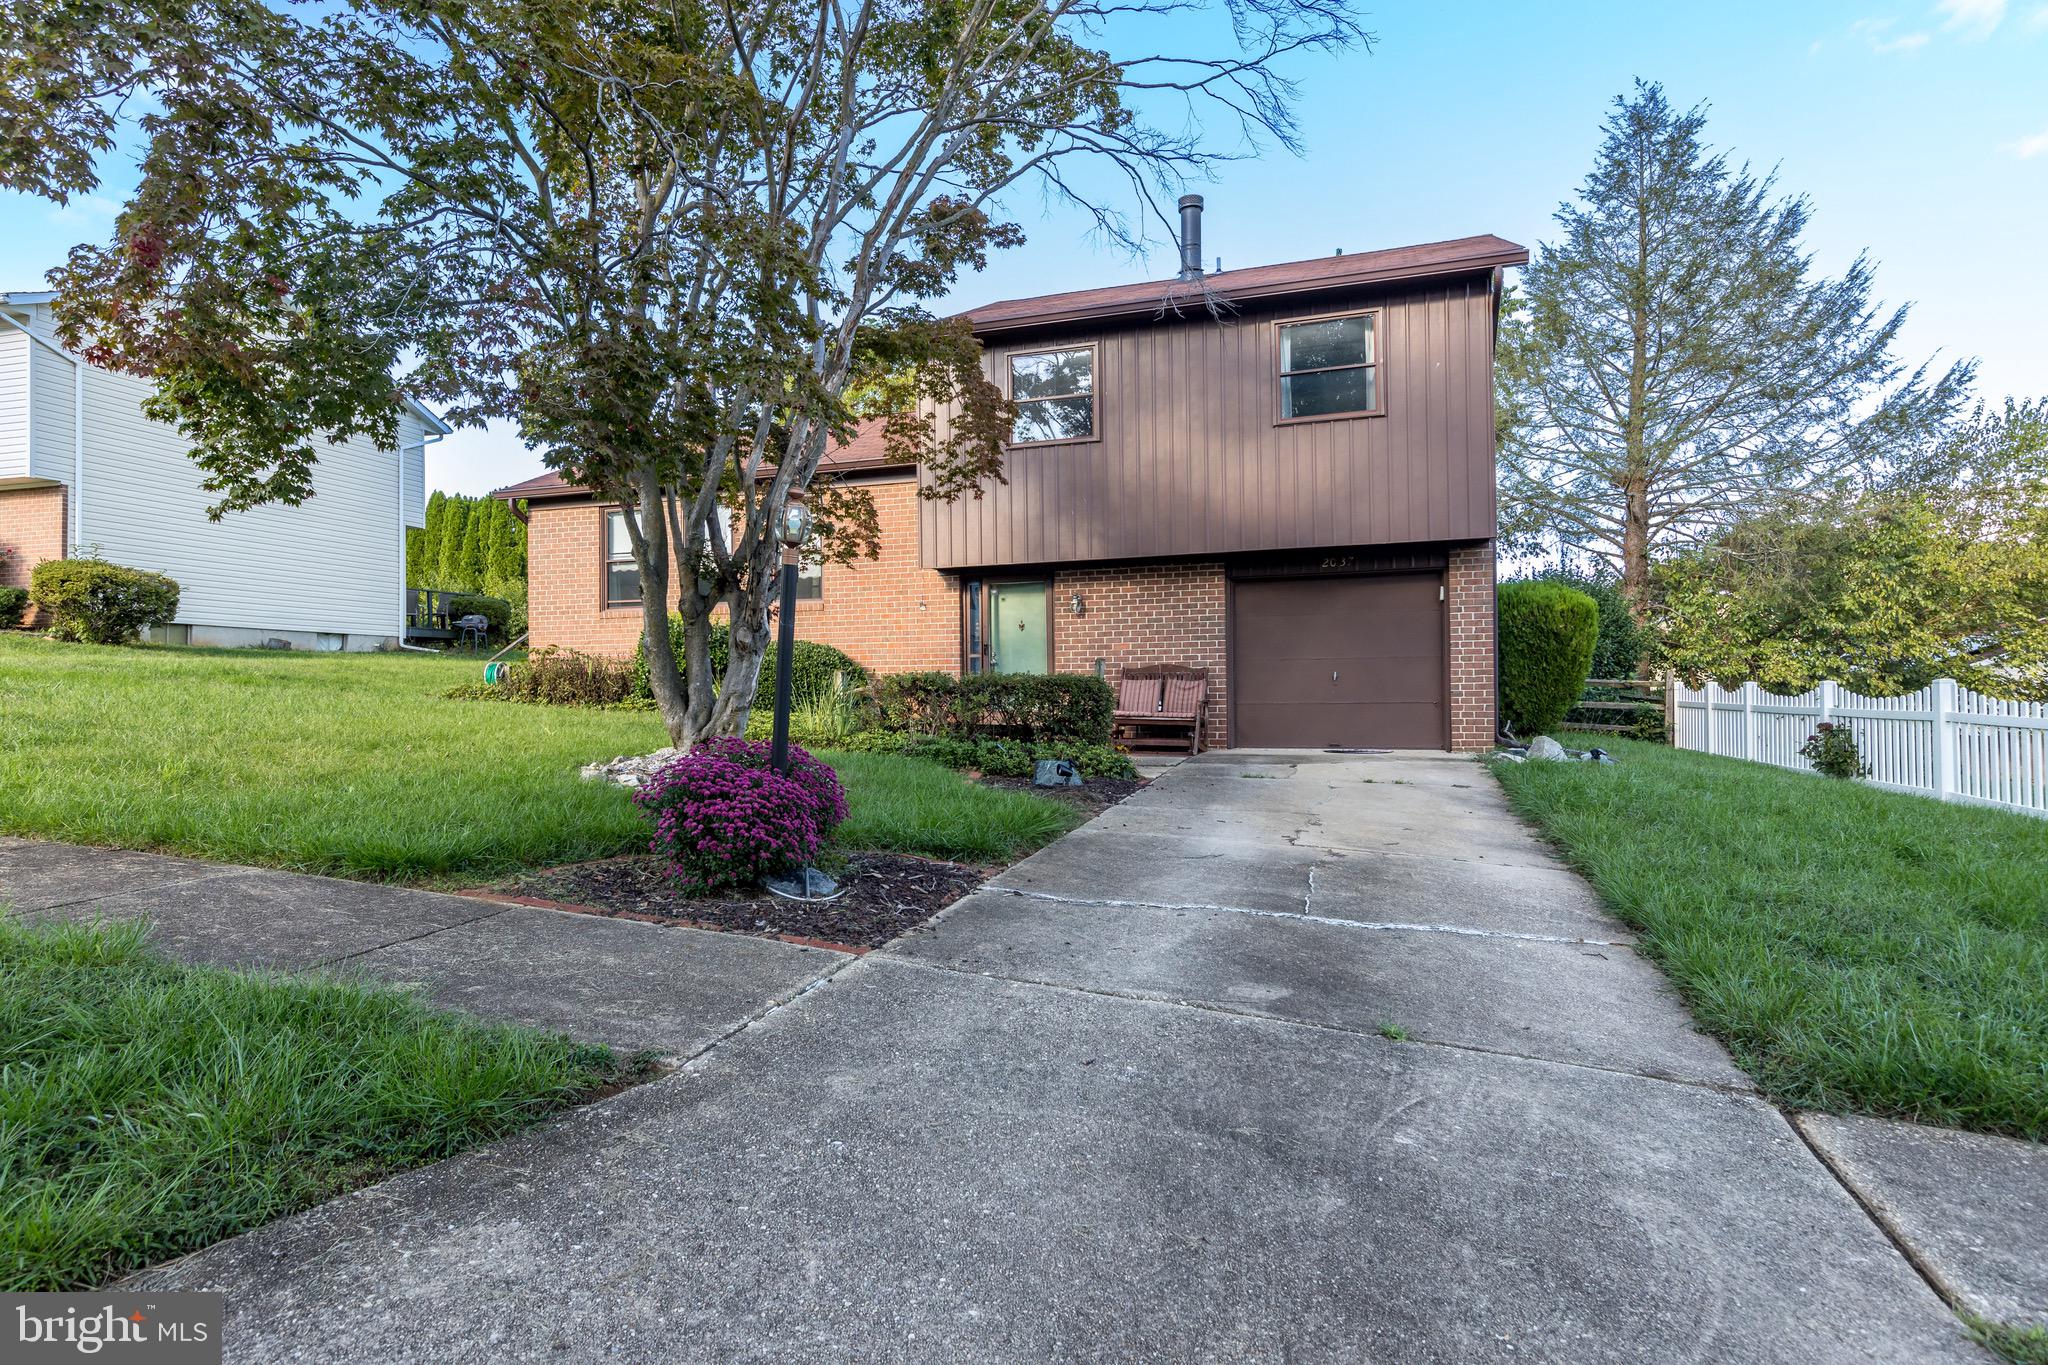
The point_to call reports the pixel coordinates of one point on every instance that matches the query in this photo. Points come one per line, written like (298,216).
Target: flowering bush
(1831,749)
(724,819)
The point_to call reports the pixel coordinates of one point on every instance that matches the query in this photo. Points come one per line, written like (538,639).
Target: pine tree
(1678,364)
(475,535)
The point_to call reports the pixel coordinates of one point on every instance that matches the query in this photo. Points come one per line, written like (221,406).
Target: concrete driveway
(1289,1056)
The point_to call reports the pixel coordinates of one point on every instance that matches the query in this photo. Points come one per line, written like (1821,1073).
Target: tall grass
(147,1109)
(1857,949)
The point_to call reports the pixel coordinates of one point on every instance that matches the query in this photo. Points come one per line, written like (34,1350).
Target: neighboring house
(83,470)
(1294,491)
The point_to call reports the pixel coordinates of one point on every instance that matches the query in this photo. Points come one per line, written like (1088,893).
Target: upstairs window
(1055,396)
(621,574)
(1329,367)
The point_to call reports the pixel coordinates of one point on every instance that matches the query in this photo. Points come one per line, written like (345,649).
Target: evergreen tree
(426,572)
(1676,363)
(475,547)
(454,527)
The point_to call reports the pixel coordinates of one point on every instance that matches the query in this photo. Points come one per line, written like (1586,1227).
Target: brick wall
(1470,592)
(31,531)
(889,614)
(1146,614)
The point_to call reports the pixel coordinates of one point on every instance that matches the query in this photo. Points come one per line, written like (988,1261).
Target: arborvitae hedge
(1547,633)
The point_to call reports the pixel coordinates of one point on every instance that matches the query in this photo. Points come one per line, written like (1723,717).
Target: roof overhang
(1190,298)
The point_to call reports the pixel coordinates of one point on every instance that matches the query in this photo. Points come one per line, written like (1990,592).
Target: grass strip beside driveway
(149,1108)
(357,765)
(1857,949)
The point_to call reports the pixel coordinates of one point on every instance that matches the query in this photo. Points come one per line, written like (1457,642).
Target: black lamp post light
(793,529)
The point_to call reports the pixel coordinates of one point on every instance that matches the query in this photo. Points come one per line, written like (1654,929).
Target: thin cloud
(87,208)
(2037,22)
(1878,34)
(1974,19)
(2029,147)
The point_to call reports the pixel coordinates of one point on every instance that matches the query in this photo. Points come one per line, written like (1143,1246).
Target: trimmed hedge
(13,606)
(1622,641)
(97,603)
(1547,634)
(811,674)
(1019,758)
(1078,707)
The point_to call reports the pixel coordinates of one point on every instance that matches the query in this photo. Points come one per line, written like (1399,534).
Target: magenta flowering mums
(724,819)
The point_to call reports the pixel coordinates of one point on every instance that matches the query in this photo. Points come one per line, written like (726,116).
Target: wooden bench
(1161,697)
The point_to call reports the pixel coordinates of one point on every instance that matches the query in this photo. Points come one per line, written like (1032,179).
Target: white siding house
(327,574)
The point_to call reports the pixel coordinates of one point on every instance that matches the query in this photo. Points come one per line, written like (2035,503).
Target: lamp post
(793,528)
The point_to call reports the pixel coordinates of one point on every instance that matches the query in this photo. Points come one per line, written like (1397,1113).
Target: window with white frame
(621,574)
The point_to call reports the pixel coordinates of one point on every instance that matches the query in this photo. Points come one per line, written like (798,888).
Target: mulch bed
(1097,796)
(887,894)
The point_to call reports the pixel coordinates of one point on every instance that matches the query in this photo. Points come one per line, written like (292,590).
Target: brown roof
(864,452)
(1258,282)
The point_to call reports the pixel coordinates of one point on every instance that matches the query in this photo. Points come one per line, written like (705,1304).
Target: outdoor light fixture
(792,528)
(1077,606)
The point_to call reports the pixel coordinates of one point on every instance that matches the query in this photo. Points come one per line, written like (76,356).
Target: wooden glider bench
(1161,697)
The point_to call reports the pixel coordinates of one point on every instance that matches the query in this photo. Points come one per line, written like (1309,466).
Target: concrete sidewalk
(1288,1056)
(635,986)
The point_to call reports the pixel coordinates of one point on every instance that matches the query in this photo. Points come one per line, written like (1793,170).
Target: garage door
(1339,661)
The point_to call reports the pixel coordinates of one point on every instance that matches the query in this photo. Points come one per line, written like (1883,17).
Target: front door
(1017,628)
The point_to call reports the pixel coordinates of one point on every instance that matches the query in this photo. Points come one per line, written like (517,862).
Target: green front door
(1016,628)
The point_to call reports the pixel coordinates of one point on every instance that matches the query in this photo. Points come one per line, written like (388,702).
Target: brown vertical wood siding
(1190,460)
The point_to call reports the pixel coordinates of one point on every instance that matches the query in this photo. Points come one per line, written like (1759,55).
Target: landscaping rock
(1548,750)
(630,770)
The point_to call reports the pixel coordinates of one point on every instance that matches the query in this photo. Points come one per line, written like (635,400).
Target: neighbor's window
(810,580)
(1055,395)
(621,574)
(1329,367)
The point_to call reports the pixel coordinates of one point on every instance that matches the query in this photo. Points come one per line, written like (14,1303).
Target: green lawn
(147,1109)
(1857,949)
(357,765)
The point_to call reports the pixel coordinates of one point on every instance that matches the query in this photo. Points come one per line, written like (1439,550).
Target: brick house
(1282,474)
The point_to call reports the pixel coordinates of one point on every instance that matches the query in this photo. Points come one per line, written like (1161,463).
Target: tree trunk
(1635,549)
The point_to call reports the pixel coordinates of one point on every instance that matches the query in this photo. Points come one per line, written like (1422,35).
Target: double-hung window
(621,574)
(1329,367)
(1055,395)
(810,579)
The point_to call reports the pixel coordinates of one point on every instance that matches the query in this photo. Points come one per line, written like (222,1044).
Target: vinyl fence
(1943,740)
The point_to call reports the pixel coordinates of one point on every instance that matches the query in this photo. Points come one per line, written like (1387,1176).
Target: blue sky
(1919,128)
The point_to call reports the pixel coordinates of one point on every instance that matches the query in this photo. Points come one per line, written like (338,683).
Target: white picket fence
(1943,740)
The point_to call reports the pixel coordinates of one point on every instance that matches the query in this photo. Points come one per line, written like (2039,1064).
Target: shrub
(99,603)
(1622,641)
(1076,707)
(1019,758)
(496,610)
(563,677)
(814,666)
(13,606)
(1547,633)
(1832,751)
(724,819)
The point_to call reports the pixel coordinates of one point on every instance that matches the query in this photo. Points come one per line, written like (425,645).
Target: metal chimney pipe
(1191,236)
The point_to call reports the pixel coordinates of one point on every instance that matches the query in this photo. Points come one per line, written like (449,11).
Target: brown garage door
(1339,661)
